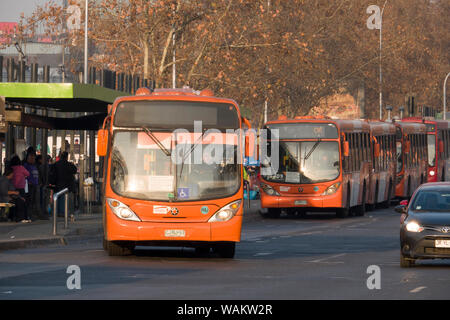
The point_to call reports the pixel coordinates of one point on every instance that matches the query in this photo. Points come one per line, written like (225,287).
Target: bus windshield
(305,162)
(143,168)
(431,150)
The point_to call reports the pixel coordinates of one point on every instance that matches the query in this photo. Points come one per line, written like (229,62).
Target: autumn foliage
(292,53)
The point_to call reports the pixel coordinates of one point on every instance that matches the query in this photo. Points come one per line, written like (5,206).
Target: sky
(10,10)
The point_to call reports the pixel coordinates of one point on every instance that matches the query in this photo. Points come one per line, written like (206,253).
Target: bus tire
(386,204)
(344,212)
(119,248)
(226,250)
(361,210)
(274,213)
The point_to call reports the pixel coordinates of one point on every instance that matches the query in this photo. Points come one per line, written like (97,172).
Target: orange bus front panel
(118,229)
(318,201)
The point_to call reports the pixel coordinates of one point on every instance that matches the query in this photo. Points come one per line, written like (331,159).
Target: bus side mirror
(346,149)
(102,142)
(407,147)
(376,150)
(441,146)
(250,143)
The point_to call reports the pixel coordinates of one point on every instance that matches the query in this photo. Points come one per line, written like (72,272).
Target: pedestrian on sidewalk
(8,194)
(33,201)
(64,172)
(19,179)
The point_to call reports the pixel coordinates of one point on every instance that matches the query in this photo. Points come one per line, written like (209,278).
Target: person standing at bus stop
(64,172)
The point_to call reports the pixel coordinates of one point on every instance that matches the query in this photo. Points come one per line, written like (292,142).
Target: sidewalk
(40,233)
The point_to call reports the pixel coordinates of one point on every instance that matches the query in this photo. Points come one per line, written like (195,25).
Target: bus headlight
(332,189)
(121,210)
(269,190)
(226,213)
(432,173)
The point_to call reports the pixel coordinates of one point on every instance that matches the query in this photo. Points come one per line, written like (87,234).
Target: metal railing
(66,208)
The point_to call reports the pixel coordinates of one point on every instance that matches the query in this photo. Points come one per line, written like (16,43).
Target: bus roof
(342,124)
(409,127)
(440,124)
(381,127)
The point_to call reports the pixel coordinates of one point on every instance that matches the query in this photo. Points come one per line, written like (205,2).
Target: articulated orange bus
(412,157)
(173,173)
(438,135)
(322,165)
(383,174)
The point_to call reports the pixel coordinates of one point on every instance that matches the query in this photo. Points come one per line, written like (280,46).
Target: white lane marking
(418,289)
(263,254)
(7,292)
(327,258)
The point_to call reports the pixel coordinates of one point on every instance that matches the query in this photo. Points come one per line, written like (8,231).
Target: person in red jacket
(19,181)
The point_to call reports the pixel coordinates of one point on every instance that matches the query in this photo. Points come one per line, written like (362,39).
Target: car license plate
(300,202)
(174,233)
(442,243)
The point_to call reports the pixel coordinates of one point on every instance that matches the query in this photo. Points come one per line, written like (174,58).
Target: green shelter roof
(65,97)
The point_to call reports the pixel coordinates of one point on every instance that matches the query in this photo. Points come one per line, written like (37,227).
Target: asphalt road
(318,257)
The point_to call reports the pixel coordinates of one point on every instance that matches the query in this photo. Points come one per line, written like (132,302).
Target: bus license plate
(442,243)
(174,233)
(300,202)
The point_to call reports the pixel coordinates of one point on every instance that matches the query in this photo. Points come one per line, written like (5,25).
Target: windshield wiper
(186,155)
(312,150)
(156,140)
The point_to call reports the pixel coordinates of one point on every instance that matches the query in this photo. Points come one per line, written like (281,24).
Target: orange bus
(438,136)
(161,186)
(322,165)
(412,157)
(383,173)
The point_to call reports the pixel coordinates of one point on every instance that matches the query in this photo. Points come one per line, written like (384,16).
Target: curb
(30,243)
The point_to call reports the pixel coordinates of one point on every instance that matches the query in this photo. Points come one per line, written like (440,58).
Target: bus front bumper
(299,201)
(123,230)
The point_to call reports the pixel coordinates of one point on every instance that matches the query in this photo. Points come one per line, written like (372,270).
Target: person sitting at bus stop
(63,172)
(8,194)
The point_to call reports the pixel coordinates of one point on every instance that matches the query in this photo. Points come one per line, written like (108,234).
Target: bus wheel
(120,248)
(226,250)
(361,210)
(344,212)
(386,204)
(274,213)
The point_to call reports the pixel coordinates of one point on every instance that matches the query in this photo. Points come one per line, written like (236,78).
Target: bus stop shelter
(33,112)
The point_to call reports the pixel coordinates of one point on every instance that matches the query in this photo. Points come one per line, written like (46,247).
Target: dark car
(425,228)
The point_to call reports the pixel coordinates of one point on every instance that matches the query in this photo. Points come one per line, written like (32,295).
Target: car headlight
(269,190)
(121,210)
(413,227)
(227,212)
(332,189)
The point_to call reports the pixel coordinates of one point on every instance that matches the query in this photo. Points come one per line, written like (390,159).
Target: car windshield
(432,200)
(143,167)
(306,162)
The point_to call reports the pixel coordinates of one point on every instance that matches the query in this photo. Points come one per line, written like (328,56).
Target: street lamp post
(381,74)
(86,43)
(445,96)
